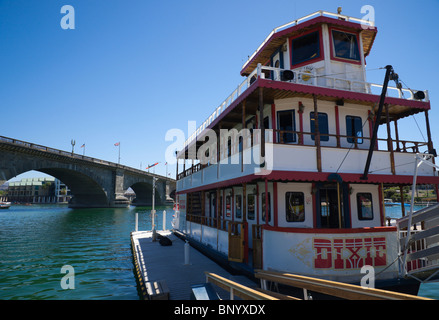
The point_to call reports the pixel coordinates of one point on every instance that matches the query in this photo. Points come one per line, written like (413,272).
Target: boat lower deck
(156,263)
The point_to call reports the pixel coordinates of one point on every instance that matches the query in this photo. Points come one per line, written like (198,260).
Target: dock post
(137,221)
(186,253)
(164,220)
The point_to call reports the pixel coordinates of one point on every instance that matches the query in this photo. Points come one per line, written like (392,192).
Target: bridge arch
(93,182)
(87,192)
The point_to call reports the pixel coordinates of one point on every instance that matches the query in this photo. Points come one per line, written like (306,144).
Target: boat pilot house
(288,173)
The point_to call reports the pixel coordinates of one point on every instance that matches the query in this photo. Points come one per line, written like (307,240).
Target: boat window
(345,45)
(228,205)
(286,125)
(294,204)
(305,48)
(266,123)
(323,125)
(238,207)
(251,207)
(364,206)
(354,129)
(263,207)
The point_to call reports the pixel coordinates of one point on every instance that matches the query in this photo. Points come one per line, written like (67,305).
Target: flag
(83,146)
(152,165)
(117,143)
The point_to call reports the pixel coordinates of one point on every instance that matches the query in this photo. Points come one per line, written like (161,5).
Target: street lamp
(73,142)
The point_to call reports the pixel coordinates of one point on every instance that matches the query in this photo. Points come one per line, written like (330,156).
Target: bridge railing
(38,147)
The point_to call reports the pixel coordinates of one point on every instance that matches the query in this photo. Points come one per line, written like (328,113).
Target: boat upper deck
(281,95)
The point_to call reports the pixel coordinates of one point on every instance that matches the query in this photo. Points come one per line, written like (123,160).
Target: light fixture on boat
(287,75)
(339,102)
(419,95)
(301,106)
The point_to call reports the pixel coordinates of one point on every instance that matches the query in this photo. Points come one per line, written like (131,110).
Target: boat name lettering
(349,253)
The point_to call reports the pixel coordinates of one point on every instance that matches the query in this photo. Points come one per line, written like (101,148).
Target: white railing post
(137,221)
(164,220)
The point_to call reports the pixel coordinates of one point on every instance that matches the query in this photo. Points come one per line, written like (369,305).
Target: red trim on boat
(317,176)
(327,230)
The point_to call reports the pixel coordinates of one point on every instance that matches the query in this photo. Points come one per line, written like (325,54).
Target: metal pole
(389,69)
(164,220)
(137,221)
(153,203)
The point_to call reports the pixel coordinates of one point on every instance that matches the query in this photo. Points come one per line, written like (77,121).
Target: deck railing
(307,139)
(312,80)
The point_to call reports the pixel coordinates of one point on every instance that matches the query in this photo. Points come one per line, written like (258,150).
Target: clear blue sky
(131,70)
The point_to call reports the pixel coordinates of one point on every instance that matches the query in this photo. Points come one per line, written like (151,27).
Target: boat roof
(280,34)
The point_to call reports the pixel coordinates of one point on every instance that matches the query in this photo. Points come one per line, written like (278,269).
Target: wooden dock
(162,273)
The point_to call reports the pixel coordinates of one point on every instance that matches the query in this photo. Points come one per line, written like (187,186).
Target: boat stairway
(419,248)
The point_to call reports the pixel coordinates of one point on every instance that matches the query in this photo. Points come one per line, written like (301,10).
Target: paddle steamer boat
(288,173)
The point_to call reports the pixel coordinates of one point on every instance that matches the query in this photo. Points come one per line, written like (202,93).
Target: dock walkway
(156,263)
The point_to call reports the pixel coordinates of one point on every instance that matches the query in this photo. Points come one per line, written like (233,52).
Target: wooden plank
(238,289)
(333,288)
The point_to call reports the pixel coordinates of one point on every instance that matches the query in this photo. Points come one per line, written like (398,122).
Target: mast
(389,70)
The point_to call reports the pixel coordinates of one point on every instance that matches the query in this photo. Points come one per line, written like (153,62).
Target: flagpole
(119,154)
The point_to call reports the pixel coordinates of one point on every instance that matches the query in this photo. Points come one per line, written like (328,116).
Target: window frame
(236,206)
(320,55)
(325,137)
(251,195)
(287,210)
(332,47)
(360,214)
(293,119)
(349,137)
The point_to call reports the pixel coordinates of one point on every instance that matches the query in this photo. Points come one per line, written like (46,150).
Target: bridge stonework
(94,183)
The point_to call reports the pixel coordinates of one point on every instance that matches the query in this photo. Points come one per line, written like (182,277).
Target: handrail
(259,72)
(237,289)
(38,147)
(333,288)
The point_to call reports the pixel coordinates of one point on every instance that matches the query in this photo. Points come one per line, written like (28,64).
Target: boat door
(330,213)
(276,61)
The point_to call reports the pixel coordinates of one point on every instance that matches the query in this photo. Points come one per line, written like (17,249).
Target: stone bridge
(94,183)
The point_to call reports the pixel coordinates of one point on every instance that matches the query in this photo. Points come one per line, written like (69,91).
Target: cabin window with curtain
(295,206)
(305,48)
(238,206)
(263,207)
(345,45)
(354,129)
(251,207)
(323,125)
(286,125)
(228,205)
(364,206)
